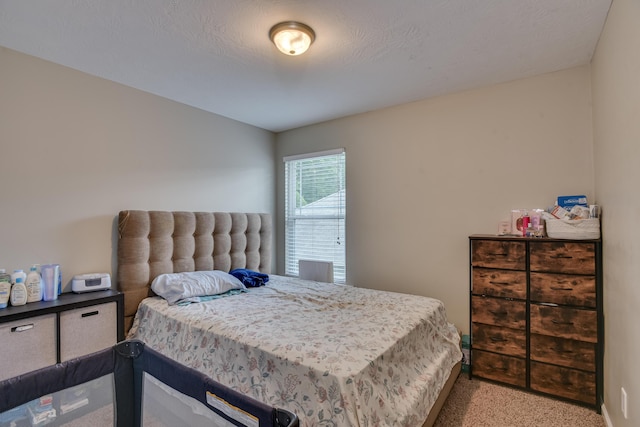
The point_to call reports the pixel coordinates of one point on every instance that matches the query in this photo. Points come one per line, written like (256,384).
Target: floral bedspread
(334,355)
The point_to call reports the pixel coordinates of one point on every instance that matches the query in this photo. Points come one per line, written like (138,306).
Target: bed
(332,354)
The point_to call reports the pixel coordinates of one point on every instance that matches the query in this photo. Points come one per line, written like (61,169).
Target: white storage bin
(86,330)
(578,229)
(27,345)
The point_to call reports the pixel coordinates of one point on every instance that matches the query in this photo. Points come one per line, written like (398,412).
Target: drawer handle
(557,322)
(498,339)
(561,350)
(22,328)
(498,313)
(500,283)
(560,288)
(499,254)
(561,257)
(90,313)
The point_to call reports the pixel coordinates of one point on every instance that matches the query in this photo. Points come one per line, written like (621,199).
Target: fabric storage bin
(83,331)
(578,229)
(35,336)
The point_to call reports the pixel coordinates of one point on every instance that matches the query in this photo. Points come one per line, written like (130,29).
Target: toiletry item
(535,232)
(579,212)
(59,285)
(516,221)
(34,284)
(50,280)
(18,292)
(559,212)
(504,228)
(526,219)
(536,217)
(16,274)
(5,288)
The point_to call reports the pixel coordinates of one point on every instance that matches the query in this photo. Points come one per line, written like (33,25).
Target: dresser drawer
(512,342)
(87,330)
(499,283)
(34,337)
(563,257)
(499,312)
(498,254)
(506,369)
(565,382)
(564,289)
(559,351)
(563,322)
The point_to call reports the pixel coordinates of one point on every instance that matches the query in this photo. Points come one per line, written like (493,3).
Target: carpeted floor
(477,403)
(472,403)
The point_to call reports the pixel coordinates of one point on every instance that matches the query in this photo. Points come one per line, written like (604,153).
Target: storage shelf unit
(43,333)
(536,315)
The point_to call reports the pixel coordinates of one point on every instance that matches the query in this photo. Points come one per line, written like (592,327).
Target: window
(315,210)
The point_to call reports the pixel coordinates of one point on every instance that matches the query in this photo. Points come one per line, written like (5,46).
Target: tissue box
(568,202)
(579,229)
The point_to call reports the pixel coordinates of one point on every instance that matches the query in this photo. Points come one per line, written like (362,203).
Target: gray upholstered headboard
(156,242)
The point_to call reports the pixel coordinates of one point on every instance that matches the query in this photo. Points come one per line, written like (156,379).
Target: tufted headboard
(151,243)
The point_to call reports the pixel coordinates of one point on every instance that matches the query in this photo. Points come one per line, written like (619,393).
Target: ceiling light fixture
(291,37)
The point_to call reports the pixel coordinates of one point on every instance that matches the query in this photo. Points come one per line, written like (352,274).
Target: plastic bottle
(50,274)
(59,282)
(531,231)
(5,288)
(34,285)
(19,292)
(16,274)
(525,223)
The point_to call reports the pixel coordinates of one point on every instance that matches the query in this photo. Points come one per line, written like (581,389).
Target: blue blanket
(250,278)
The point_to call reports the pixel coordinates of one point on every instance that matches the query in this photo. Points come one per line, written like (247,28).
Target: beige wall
(76,149)
(423,176)
(616,116)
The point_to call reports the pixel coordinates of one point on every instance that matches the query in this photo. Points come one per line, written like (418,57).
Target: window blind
(315,210)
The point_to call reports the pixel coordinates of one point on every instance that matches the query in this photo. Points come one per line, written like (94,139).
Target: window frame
(292,215)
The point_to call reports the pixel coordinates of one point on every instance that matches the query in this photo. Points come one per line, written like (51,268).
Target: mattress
(332,354)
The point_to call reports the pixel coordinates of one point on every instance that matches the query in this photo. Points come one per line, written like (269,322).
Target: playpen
(129,385)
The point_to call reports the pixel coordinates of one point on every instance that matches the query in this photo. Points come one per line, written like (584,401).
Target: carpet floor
(471,403)
(477,403)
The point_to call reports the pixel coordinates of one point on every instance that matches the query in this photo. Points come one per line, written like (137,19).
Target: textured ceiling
(368,54)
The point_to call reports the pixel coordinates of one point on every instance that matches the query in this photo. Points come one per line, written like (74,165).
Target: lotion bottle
(18,292)
(16,274)
(34,285)
(5,288)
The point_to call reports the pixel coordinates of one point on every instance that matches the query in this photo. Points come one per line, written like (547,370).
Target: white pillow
(175,287)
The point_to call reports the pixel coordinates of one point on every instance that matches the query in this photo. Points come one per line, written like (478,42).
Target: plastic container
(59,285)
(5,288)
(526,219)
(16,274)
(19,292)
(34,285)
(50,281)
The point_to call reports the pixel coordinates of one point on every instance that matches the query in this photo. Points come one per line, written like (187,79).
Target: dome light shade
(292,38)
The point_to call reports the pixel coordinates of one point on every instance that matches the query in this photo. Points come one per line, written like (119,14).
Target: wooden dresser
(536,315)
